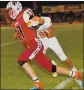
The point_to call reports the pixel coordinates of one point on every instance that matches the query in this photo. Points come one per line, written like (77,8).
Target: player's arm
(48,29)
(40,20)
(35,22)
(27,18)
(31,23)
(50,32)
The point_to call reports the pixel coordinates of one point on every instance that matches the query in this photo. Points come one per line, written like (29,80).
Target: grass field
(13,76)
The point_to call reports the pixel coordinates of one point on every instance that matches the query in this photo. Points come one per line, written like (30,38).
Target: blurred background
(59,11)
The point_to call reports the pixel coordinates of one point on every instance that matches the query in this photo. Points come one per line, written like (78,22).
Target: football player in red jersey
(22,23)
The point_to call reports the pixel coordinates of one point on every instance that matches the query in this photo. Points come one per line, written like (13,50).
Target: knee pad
(21,63)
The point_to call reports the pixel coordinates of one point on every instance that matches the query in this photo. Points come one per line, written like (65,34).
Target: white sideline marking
(8,43)
(65,82)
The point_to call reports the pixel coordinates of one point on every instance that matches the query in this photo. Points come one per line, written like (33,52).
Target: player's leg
(45,62)
(68,61)
(75,74)
(56,47)
(23,61)
(30,71)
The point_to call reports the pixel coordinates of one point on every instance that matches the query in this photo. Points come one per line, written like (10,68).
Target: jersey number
(20,30)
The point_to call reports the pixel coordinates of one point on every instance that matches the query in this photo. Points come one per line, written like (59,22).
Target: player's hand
(42,34)
(31,23)
(38,85)
(15,36)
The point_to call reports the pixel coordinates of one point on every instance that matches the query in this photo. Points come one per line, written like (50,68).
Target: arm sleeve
(26,16)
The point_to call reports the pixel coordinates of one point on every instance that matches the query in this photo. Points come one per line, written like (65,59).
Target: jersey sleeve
(26,16)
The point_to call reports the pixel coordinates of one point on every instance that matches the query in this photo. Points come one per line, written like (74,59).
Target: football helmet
(13,8)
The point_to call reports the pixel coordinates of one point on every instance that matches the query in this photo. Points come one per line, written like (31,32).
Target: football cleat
(78,78)
(34,88)
(38,85)
(78,75)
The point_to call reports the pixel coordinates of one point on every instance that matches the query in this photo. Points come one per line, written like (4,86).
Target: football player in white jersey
(46,34)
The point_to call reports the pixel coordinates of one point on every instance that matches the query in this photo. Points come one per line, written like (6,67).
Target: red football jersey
(25,34)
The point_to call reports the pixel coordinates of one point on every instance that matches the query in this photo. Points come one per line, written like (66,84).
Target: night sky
(40,3)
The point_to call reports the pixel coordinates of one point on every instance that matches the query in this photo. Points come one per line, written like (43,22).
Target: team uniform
(52,42)
(34,47)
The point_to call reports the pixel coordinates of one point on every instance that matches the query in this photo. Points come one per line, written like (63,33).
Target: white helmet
(14,8)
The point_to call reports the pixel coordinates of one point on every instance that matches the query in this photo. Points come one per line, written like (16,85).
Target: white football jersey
(45,26)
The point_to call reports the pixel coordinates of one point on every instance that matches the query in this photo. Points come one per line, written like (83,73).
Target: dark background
(40,3)
(57,17)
